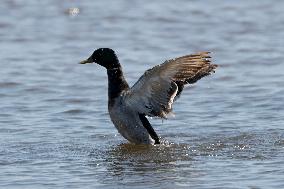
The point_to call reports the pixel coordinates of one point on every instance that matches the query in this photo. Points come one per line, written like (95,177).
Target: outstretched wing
(155,91)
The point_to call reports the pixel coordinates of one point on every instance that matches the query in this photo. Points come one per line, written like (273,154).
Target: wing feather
(155,91)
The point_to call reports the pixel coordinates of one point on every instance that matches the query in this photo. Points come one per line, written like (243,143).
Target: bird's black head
(103,56)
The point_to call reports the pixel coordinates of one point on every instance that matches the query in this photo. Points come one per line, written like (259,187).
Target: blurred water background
(55,131)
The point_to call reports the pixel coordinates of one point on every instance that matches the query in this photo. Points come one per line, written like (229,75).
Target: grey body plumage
(152,95)
(128,123)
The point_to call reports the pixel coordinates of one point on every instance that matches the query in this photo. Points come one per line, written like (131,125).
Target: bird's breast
(128,123)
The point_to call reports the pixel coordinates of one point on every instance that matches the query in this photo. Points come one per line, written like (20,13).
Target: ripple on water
(74,111)
(9,84)
(55,130)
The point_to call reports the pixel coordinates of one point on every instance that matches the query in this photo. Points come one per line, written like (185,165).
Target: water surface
(55,131)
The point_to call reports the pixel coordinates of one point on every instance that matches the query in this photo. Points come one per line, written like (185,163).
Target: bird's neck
(116,82)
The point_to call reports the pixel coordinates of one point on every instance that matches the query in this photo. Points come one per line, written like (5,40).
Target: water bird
(152,95)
